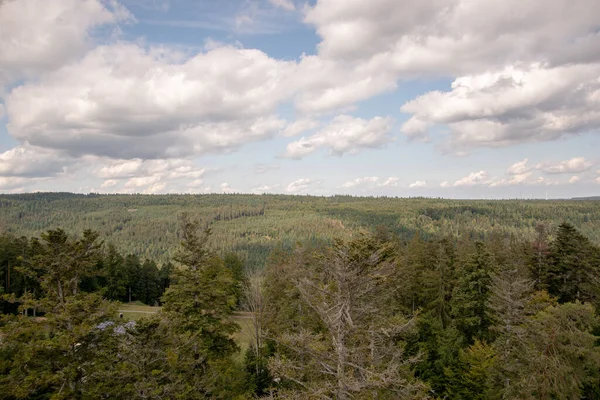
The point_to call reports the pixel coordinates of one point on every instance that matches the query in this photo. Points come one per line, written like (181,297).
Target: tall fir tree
(198,307)
(471,294)
(573,266)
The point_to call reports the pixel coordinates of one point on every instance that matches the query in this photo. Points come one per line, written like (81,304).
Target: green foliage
(470,379)
(446,299)
(252,226)
(573,266)
(563,354)
(235,265)
(471,294)
(197,307)
(259,376)
(55,354)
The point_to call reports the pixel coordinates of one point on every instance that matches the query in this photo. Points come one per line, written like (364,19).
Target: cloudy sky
(451,98)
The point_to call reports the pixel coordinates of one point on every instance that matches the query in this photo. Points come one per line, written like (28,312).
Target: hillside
(252,225)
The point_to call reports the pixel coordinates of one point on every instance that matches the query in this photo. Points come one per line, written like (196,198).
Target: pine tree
(439,281)
(55,355)
(573,266)
(114,274)
(150,283)
(197,306)
(471,379)
(470,296)
(562,356)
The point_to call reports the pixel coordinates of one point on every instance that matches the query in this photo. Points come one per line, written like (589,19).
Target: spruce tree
(197,307)
(471,294)
(55,355)
(573,266)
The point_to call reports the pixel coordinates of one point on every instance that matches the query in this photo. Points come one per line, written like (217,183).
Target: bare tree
(358,351)
(255,304)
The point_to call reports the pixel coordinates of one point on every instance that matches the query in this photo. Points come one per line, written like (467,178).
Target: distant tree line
(253,225)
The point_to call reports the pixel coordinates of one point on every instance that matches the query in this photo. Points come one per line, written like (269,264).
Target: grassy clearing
(133,311)
(244,337)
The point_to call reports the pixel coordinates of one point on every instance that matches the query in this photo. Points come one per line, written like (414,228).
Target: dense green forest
(252,225)
(352,298)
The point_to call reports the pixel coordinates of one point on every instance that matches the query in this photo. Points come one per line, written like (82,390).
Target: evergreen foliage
(434,300)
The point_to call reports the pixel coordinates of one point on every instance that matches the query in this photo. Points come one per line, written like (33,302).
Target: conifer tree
(114,274)
(562,355)
(197,307)
(55,355)
(470,296)
(573,266)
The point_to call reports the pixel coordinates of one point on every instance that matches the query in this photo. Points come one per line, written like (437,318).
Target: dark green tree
(133,272)
(149,284)
(470,296)
(573,266)
(55,356)
(235,265)
(115,274)
(198,306)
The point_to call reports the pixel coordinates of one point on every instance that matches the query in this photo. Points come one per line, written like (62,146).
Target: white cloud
(519,168)
(545,181)
(122,101)
(140,181)
(154,176)
(360,181)
(121,169)
(574,179)
(445,184)
(533,77)
(513,180)
(30,162)
(418,184)
(345,134)
(300,186)
(136,115)
(512,106)
(369,183)
(572,166)
(225,187)
(519,178)
(474,179)
(39,35)
(156,187)
(390,182)
(13,182)
(109,183)
(455,35)
(326,85)
(299,126)
(166,168)
(196,183)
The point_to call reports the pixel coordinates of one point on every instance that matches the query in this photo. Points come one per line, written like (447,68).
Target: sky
(438,98)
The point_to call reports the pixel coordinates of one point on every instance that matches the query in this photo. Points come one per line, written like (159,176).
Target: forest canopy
(365,298)
(252,225)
